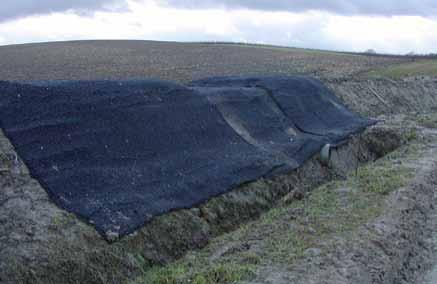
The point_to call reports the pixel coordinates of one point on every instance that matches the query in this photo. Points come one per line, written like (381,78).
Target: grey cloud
(366,7)
(11,9)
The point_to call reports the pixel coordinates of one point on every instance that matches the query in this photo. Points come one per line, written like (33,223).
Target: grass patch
(223,273)
(187,273)
(336,208)
(410,134)
(62,220)
(428,120)
(416,68)
(5,162)
(381,179)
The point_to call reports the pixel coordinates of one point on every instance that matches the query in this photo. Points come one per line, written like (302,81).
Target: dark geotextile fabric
(118,153)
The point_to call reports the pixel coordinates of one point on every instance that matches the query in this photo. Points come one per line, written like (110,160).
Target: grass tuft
(428,120)
(382,179)
(184,273)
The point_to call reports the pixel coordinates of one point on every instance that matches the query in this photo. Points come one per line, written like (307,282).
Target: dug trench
(41,243)
(47,245)
(373,226)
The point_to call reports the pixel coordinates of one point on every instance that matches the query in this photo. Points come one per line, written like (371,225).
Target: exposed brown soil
(183,62)
(373,97)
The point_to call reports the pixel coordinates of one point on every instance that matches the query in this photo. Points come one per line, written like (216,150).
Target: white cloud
(355,7)
(398,34)
(147,20)
(12,9)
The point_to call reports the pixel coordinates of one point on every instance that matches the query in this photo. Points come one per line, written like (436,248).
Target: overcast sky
(387,26)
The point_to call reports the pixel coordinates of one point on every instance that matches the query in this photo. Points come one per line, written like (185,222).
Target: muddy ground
(382,239)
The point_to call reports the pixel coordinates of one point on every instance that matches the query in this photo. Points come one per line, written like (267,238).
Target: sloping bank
(376,96)
(43,243)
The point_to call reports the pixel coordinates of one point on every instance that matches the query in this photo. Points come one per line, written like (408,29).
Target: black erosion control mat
(119,153)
